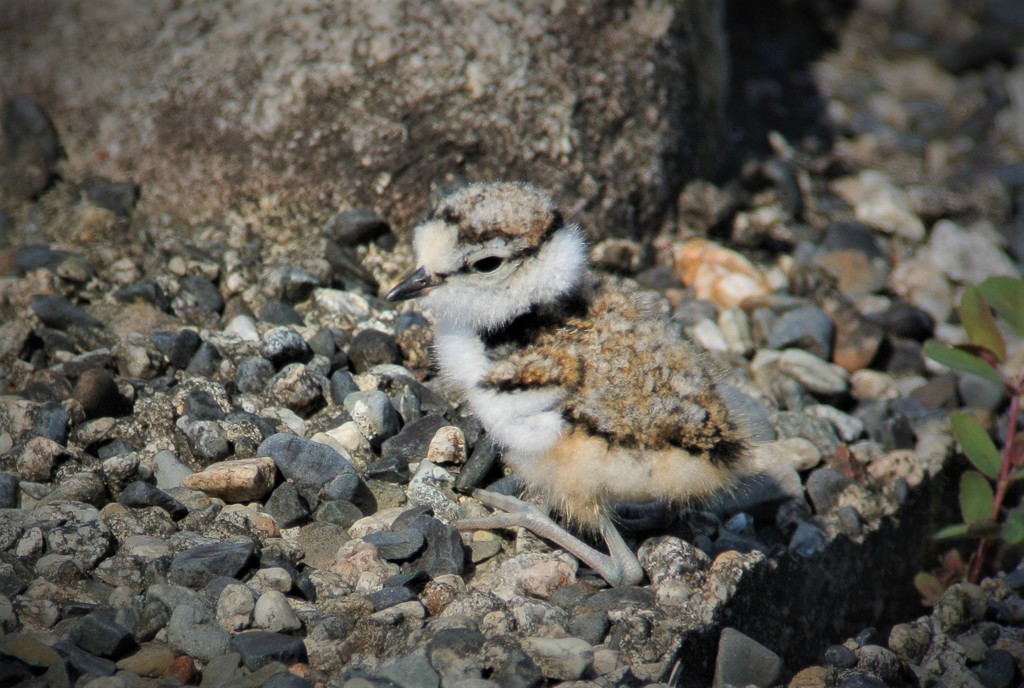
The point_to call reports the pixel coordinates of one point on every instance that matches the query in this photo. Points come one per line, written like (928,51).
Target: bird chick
(593,398)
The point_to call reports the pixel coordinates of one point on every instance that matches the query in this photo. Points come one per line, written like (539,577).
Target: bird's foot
(619,567)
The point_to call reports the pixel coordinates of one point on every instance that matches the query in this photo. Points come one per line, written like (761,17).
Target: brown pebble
(97,392)
(184,669)
(236,480)
(856,340)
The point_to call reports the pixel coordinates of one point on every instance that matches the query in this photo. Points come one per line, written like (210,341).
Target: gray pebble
(807,328)
(742,661)
(373,412)
(824,486)
(140,495)
(98,633)
(205,360)
(444,552)
(252,374)
(356,226)
(207,440)
(192,631)
(8,491)
(283,345)
(59,313)
(260,648)
(840,657)
(397,546)
(411,443)
(454,654)
(390,596)
(287,506)
(52,422)
(412,671)
(342,385)
(204,293)
(273,613)
(310,465)
(199,404)
(808,540)
(299,388)
(168,470)
(997,670)
(372,347)
(339,512)
(197,566)
(117,197)
(280,313)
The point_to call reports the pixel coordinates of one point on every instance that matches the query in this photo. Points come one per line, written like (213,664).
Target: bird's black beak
(411,286)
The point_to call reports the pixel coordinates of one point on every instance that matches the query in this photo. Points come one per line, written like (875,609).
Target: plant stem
(1002,482)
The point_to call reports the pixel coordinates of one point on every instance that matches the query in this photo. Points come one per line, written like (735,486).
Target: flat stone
(99,634)
(38,458)
(237,480)
(390,596)
(197,566)
(151,661)
(58,312)
(168,470)
(444,551)
(311,466)
(824,487)
(413,441)
(139,495)
(812,372)
(259,648)
(397,546)
(29,650)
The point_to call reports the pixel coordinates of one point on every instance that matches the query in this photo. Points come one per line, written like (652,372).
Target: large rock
(299,110)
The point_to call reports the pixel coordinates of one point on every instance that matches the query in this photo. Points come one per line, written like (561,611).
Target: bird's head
(489,253)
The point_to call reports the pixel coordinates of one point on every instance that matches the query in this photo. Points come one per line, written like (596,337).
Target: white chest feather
(525,423)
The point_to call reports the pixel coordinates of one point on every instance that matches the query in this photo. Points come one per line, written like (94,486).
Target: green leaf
(930,587)
(949,532)
(1006,296)
(1013,529)
(979,323)
(976,443)
(976,498)
(959,359)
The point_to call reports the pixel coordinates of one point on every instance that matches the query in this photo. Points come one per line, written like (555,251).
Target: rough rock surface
(266,106)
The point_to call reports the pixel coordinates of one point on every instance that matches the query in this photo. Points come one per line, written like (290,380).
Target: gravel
(224,457)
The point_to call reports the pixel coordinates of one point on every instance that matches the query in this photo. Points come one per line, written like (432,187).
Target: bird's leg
(619,567)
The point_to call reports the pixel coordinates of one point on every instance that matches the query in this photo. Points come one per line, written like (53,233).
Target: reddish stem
(1002,482)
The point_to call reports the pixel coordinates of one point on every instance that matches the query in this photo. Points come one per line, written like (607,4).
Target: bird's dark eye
(487,264)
